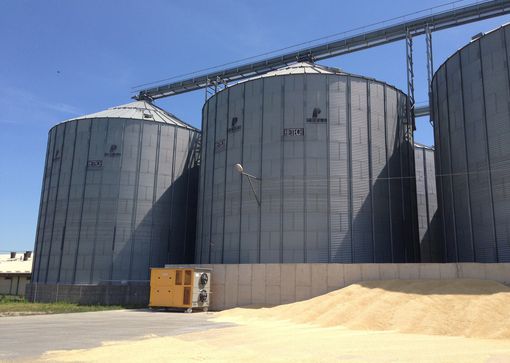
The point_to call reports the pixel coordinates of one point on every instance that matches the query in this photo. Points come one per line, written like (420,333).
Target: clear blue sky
(62,58)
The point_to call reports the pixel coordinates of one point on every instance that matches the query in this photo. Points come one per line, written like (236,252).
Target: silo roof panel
(138,110)
(299,68)
(308,68)
(423,146)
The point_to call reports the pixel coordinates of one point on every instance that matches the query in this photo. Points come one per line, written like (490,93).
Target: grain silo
(118,197)
(429,224)
(333,171)
(471,105)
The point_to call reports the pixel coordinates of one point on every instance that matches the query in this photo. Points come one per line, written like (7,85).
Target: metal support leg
(197,153)
(430,68)
(410,127)
(208,82)
(213,86)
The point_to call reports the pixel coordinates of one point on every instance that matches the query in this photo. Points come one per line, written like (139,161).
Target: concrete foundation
(136,295)
(272,284)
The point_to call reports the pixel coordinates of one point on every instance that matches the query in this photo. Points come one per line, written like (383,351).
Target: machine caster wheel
(189,310)
(205,310)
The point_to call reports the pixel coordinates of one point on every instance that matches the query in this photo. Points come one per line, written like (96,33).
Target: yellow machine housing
(180,288)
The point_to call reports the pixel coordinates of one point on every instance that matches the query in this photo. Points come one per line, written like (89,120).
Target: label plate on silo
(294,132)
(95,164)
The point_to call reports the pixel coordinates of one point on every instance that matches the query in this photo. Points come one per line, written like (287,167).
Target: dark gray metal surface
(118,197)
(429,224)
(471,110)
(434,22)
(340,192)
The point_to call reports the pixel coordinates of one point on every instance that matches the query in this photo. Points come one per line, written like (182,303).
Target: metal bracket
(214,86)
(250,177)
(197,152)
(143,97)
(308,57)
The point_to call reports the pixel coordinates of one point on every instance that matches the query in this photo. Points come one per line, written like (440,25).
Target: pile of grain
(470,308)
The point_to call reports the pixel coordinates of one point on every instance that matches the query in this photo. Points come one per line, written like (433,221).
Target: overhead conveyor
(401,31)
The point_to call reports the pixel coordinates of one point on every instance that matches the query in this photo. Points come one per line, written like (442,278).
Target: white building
(15,272)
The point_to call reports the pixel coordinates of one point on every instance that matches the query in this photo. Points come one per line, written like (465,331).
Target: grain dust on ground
(379,321)
(462,307)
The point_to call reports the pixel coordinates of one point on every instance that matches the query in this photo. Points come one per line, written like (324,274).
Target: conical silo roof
(309,68)
(138,110)
(299,68)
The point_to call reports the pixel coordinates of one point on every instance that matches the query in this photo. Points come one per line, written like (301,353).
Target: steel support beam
(410,125)
(392,33)
(421,111)
(430,67)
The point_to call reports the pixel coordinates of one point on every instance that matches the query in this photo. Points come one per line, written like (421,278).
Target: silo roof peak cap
(299,68)
(423,146)
(138,110)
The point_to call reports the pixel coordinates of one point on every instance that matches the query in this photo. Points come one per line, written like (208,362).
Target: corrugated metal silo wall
(429,223)
(335,186)
(115,197)
(472,133)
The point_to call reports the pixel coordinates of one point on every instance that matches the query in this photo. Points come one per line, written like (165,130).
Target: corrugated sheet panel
(429,226)
(339,166)
(249,211)
(316,170)
(472,129)
(394,138)
(361,205)
(115,198)
(459,179)
(272,171)
(325,147)
(379,174)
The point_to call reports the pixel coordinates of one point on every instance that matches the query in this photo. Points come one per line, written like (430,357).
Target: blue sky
(62,58)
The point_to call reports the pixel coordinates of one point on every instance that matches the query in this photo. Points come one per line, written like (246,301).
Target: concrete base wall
(272,284)
(13,284)
(136,295)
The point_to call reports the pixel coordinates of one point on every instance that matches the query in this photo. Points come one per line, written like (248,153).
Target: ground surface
(17,306)
(288,342)
(388,321)
(27,337)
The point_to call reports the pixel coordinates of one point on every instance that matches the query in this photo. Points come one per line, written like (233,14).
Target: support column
(430,69)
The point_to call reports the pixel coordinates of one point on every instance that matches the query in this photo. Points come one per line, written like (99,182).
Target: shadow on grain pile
(462,307)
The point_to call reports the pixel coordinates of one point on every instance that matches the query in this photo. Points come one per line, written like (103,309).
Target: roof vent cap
(477,36)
